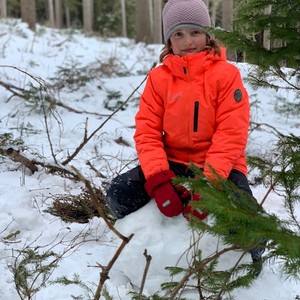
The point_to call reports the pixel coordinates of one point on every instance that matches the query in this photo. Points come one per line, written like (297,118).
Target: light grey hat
(181,13)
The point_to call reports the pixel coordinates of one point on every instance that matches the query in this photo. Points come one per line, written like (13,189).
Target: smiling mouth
(189,50)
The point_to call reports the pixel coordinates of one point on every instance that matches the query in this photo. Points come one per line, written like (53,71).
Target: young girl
(194,109)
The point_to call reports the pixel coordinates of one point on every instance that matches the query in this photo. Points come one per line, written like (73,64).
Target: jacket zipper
(196,115)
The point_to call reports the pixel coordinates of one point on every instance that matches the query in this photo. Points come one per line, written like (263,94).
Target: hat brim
(185,25)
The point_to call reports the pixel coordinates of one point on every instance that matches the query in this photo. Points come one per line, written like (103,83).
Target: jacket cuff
(158,179)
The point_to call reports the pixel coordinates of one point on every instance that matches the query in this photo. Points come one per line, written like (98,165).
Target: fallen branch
(17,157)
(22,92)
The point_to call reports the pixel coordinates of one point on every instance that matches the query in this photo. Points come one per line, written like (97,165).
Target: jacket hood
(194,64)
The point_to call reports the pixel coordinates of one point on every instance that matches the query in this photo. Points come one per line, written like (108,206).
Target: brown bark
(17,157)
(143,22)
(124,23)
(3,9)
(157,22)
(88,13)
(51,13)
(28,13)
(58,13)
(227,23)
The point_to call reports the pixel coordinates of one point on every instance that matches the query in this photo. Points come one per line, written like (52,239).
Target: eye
(177,34)
(196,32)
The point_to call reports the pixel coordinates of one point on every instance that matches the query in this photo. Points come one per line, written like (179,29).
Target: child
(194,109)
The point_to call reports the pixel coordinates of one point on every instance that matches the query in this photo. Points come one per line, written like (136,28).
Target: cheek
(175,47)
(202,42)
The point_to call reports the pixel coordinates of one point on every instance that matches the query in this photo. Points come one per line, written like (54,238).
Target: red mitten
(190,211)
(183,193)
(160,188)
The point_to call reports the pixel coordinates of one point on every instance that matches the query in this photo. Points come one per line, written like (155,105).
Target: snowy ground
(120,66)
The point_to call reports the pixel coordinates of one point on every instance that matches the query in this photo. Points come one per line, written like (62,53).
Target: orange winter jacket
(194,109)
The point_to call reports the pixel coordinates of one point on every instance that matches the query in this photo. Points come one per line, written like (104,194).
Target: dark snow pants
(126,192)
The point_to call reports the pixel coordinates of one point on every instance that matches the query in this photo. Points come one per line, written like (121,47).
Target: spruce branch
(199,268)
(34,265)
(239,220)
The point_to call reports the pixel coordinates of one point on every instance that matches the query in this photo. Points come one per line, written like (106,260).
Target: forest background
(264,33)
(140,20)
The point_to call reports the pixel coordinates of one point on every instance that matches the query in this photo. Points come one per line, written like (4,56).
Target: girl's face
(188,40)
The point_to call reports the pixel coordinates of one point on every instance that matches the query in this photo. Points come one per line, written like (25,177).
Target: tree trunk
(3,9)
(227,24)
(88,13)
(157,22)
(51,13)
(124,25)
(68,15)
(28,13)
(143,23)
(266,34)
(214,10)
(227,14)
(58,13)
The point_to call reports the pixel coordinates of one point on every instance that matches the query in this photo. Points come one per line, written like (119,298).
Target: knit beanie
(180,13)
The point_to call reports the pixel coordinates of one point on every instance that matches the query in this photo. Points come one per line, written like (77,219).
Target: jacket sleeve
(232,123)
(149,131)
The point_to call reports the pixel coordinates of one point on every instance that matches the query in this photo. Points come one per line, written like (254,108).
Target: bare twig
(37,79)
(148,261)
(16,91)
(21,92)
(48,131)
(76,111)
(58,169)
(98,173)
(87,139)
(125,240)
(98,206)
(106,269)
(258,125)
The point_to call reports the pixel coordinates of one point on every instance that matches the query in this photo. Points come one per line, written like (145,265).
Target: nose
(188,40)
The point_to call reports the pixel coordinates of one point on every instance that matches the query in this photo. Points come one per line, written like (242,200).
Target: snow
(24,197)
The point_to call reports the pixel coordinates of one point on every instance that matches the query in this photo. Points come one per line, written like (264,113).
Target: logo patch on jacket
(238,95)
